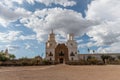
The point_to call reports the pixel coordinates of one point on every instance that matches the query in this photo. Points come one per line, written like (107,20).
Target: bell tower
(71,36)
(50,46)
(72,47)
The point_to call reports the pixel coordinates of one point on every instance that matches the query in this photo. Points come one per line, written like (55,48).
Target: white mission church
(63,52)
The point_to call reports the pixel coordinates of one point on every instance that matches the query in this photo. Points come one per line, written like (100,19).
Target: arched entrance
(61,53)
(61,60)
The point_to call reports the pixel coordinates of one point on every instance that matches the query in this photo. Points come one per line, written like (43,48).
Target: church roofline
(99,54)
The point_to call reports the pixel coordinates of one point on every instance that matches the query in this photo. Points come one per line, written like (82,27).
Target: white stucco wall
(72,47)
(48,52)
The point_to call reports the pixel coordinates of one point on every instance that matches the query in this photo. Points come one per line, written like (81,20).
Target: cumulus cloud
(60,38)
(88,45)
(13,47)
(107,33)
(63,21)
(8,15)
(28,37)
(27,46)
(79,41)
(64,3)
(106,10)
(114,48)
(9,36)
(14,35)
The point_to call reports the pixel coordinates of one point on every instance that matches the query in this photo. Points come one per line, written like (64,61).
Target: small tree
(37,60)
(105,57)
(11,56)
(118,57)
(89,57)
(92,60)
(3,57)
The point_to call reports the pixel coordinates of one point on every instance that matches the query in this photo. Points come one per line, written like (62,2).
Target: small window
(61,54)
(46,53)
(50,59)
(72,59)
(50,54)
(72,54)
(71,44)
(50,44)
(75,52)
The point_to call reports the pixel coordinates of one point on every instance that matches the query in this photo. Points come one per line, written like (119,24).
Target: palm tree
(118,57)
(93,51)
(88,50)
(103,58)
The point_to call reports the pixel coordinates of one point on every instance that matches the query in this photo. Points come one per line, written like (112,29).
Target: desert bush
(3,57)
(89,61)
(46,62)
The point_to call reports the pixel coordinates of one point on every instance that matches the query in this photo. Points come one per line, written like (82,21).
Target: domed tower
(6,51)
(72,47)
(50,46)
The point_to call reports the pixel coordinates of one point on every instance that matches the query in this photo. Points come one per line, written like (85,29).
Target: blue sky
(25,25)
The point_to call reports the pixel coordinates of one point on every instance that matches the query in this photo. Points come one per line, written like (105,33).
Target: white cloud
(88,45)
(114,48)
(29,37)
(11,12)
(27,46)
(63,21)
(9,36)
(14,35)
(107,33)
(8,15)
(104,10)
(64,3)
(61,38)
(79,41)
(13,47)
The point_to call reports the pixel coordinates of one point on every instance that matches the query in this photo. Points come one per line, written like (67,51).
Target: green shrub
(46,62)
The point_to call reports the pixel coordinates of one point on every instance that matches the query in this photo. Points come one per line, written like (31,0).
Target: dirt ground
(61,72)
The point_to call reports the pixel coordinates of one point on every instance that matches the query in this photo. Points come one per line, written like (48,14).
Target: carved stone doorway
(61,53)
(61,60)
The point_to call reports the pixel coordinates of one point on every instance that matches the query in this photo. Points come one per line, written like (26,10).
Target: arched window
(71,44)
(50,59)
(72,54)
(47,53)
(50,54)
(72,59)
(61,53)
(75,52)
(50,44)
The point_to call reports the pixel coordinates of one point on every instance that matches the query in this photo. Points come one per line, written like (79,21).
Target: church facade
(61,52)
